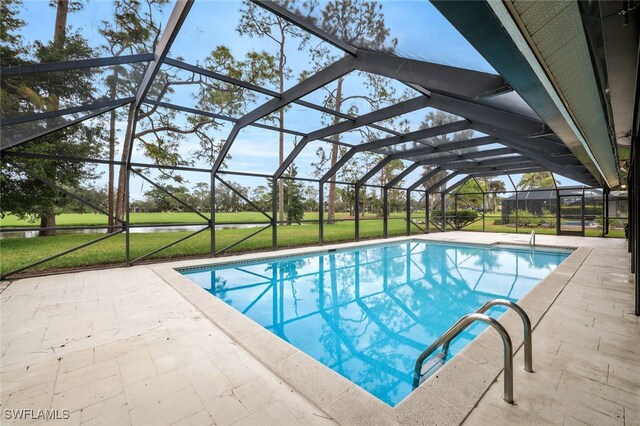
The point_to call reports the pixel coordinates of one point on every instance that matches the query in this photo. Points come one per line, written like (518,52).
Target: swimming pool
(368,312)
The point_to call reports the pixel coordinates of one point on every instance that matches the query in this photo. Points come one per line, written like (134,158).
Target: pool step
(434,363)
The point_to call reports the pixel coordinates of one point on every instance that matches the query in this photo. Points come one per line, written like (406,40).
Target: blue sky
(421,31)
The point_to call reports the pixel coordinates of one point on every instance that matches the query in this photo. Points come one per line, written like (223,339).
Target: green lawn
(19,252)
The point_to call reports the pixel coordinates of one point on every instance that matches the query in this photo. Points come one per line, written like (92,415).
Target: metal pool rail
(479,315)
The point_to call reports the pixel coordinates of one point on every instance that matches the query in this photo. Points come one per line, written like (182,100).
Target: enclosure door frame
(561,216)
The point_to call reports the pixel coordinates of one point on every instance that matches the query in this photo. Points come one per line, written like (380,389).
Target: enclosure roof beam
(364,179)
(61,126)
(466,164)
(471,167)
(446,146)
(452,158)
(306,25)
(74,65)
(416,135)
(431,76)
(430,132)
(548,157)
(345,126)
(73,110)
(425,178)
(511,171)
(178,15)
(317,80)
(323,77)
(457,184)
(336,167)
(463,82)
(220,77)
(232,119)
(402,175)
(442,181)
(177,18)
(483,113)
(506,169)
(211,74)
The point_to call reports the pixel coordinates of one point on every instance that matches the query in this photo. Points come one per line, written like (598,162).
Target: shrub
(550,218)
(458,219)
(524,218)
(497,222)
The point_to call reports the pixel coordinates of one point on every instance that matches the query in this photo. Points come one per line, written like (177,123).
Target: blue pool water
(368,313)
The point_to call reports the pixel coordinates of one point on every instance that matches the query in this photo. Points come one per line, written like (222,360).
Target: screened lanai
(352,212)
(180,109)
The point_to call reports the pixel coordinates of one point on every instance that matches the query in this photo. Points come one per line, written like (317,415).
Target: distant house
(538,200)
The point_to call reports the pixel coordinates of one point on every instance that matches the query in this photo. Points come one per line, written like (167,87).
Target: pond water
(146,229)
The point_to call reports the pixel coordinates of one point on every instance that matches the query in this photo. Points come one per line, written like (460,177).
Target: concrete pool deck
(121,346)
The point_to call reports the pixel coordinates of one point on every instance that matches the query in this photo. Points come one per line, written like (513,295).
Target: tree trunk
(60,30)
(331,214)
(47,220)
(48,215)
(121,195)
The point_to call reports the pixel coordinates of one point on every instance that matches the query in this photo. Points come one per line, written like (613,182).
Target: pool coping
(446,398)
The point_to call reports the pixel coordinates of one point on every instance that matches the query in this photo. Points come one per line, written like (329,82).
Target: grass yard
(18,252)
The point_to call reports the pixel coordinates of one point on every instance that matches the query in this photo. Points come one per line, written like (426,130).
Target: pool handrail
(532,239)
(451,334)
(456,329)
(526,325)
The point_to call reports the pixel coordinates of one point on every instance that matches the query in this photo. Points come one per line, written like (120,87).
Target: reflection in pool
(367,313)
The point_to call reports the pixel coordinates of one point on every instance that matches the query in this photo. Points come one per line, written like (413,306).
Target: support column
(455,208)
(385,212)
(582,212)
(426,213)
(484,212)
(606,209)
(557,211)
(212,214)
(633,184)
(274,214)
(321,213)
(127,222)
(517,207)
(444,211)
(357,212)
(408,212)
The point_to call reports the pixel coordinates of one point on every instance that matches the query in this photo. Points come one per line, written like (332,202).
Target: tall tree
(388,172)
(495,187)
(24,195)
(360,23)
(472,192)
(257,22)
(132,29)
(293,194)
(160,131)
(537,180)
